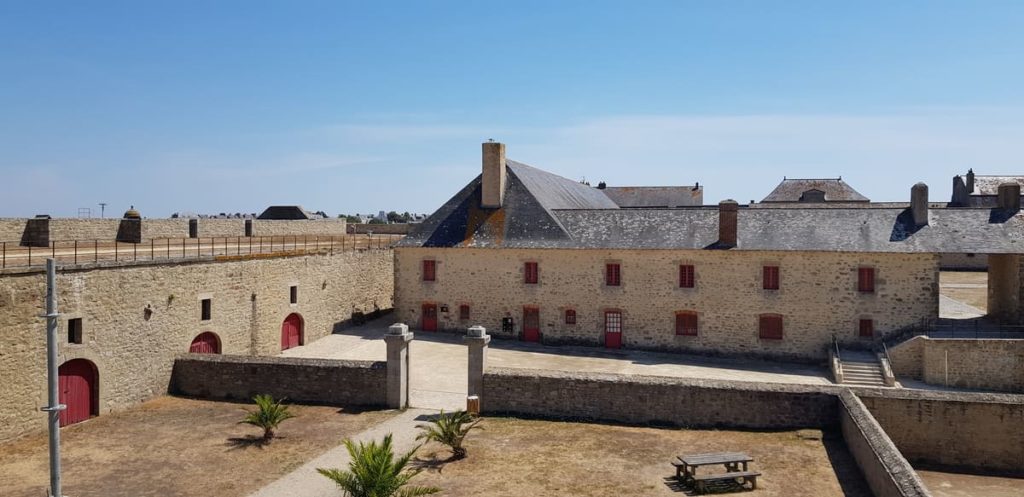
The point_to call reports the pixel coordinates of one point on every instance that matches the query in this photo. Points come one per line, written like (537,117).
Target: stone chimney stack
(1009,197)
(919,204)
(492,194)
(727,223)
(970,180)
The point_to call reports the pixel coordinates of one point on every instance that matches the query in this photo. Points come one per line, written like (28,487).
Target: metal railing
(12,254)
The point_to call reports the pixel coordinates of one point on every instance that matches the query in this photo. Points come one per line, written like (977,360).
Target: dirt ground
(969,287)
(175,447)
(963,485)
(512,457)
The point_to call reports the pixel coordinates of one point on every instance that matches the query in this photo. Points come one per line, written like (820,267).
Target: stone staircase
(861,369)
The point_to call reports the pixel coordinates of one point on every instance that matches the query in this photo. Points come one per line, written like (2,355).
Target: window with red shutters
(464,312)
(612,275)
(866,279)
(570,316)
(867,328)
(686,323)
(685,276)
(530,273)
(771,278)
(429,270)
(770,327)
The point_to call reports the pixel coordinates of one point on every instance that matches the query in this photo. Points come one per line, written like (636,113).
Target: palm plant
(268,415)
(450,429)
(374,472)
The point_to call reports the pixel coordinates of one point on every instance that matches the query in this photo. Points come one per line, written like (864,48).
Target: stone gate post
(477,339)
(397,340)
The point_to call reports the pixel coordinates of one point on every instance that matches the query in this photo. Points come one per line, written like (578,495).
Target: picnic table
(735,466)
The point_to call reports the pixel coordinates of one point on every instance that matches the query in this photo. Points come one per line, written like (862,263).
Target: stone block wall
(300,380)
(1005,281)
(966,431)
(818,295)
(656,400)
(884,468)
(380,229)
(137,317)
(311,227)
(69,229)
(987,364)
(975,262)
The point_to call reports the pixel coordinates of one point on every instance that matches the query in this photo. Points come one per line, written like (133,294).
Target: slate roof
(543,210)
(284,212)
(989,185)
(655,196)
(836,190)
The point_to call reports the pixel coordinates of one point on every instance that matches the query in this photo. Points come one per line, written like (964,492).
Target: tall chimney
(727,223)
(970,180)
(1009,197)
(493,188)
(919,204)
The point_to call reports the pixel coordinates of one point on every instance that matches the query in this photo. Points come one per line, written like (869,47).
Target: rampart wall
(988,364)
(68,229)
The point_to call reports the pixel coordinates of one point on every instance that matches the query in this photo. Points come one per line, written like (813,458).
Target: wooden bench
(701,481)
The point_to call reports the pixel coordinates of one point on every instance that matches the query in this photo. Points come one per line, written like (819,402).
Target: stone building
(814,191)
(538,257)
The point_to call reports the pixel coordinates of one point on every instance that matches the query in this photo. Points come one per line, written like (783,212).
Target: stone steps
(861,369)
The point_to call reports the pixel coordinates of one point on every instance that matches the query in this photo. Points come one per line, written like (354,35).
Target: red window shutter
(866,279)
(570,316)
(771,278)
(464,312)
(686,276)
(612,275)
(429,270)
(686,324)
(530,273)
(770,327)
(867,328)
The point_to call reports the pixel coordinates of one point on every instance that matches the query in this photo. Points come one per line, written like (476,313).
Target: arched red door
(291,332)
(205,343)
(78,389)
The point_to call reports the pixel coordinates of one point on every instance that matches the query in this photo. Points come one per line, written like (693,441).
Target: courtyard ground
(965,287)
(171,447)
(963,485)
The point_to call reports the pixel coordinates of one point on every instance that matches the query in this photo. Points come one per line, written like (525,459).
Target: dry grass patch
(176,447)
(513,457)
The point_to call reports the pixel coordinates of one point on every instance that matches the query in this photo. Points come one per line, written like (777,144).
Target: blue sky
(357,107)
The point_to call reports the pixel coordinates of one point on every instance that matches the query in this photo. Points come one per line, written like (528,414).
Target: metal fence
(12,254)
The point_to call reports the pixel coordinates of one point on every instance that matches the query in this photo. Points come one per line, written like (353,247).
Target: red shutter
(866,279)
(612,275)
(770,327)
(464,312)
(685,276)
(429,270)
(530,273)
(867,328)
(686,324)
(570,316)
(771,278)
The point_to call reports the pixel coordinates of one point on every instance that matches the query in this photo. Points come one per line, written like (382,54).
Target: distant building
(640,197)
(824,190)
(973,190)
(291,212)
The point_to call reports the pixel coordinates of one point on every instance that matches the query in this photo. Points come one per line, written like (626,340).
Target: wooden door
(205,343)
(291,332)
(531,324)
(429,317)
(612,329)
(77,385)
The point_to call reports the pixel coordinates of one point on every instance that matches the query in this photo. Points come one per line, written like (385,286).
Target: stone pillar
(477,339)
(397,339)
(919,204)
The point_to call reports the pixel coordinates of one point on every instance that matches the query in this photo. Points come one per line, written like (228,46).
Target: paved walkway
(305,480)
(954,309)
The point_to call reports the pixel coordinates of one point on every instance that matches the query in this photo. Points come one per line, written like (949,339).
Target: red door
(78,387)
(613,329)
(205,343)
(291,332)
(429,317)
(531,324)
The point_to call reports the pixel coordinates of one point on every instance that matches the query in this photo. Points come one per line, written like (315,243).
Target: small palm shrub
(374,472)
(268,415)
(450,429)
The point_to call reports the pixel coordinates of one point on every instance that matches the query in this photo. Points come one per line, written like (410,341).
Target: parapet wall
(68,229)
(970,431)
(987,364)
(657,400)
(380,229)
(301,380)
(884,468)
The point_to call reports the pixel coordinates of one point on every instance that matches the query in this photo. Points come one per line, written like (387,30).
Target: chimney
(727,223)
(492,194)
(1009,197)
(970,180)
(919,204)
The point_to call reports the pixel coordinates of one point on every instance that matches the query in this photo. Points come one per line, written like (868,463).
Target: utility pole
(103,208)
(54,408)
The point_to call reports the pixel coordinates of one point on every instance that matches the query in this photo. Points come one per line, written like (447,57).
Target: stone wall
(1005,279)
(818,295)
(380,229)
(68,229)
(987,364)
(960,431)
(884,468)
(137,317)
(970,262)
(300,380)
(656,400)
